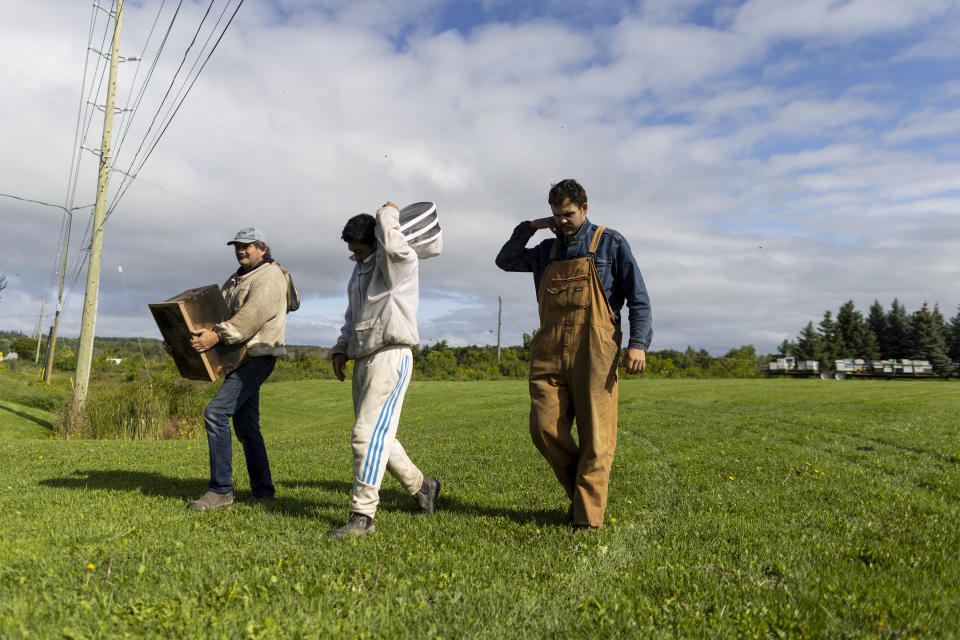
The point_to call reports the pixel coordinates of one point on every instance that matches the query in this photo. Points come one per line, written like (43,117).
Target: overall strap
(596,240)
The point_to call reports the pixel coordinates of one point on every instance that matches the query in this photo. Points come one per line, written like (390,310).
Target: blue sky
(766,160)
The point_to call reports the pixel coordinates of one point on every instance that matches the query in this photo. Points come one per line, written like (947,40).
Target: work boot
(426,497)
(357,525)
(210,501)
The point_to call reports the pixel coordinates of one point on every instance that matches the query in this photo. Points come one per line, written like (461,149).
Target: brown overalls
(573,374)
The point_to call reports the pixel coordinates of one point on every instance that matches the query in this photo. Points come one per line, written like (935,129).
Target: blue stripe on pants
(370,465)
(404,369)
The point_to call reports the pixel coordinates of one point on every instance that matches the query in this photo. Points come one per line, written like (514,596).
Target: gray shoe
(426,497)
(210,501)
(357,525)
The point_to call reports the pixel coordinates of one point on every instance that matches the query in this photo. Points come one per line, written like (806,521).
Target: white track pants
(379,384)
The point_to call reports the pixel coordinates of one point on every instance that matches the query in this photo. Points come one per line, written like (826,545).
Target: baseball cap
(248,235)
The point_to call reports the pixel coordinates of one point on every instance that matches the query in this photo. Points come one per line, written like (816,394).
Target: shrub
(302,369)
(158,408)
(24,347)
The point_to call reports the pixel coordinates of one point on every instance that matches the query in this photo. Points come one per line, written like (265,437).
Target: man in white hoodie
(379,329)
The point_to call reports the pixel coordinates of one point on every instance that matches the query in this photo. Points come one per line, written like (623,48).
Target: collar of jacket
(367,260)
(241,272)
(585,231)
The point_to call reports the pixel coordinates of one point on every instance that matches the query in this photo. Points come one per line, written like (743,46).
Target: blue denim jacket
(615,264)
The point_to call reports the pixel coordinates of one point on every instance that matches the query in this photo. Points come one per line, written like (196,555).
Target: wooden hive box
(193,310)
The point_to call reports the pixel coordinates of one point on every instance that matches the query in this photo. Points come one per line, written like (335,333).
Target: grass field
(738,509)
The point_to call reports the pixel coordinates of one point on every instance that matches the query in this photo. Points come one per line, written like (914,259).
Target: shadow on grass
(397,500)
(181,489)
(27,416)
(150,483)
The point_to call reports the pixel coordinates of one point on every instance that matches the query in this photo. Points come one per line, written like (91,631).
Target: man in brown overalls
(583,278)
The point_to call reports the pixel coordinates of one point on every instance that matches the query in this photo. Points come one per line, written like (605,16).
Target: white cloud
(816,19)
(656,57)
(925,124)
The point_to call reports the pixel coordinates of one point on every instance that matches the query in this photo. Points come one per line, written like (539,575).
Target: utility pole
(499,324)
(89,318)
(52,340)
(38,331)
(48,358)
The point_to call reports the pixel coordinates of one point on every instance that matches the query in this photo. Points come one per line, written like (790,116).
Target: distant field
(738,508)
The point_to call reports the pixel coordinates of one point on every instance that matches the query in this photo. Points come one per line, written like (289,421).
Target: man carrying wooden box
(257,304)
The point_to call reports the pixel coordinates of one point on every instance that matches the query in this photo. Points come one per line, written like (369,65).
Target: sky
(766,160)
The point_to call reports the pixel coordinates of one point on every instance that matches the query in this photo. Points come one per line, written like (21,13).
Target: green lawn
(738,508)
(18,421)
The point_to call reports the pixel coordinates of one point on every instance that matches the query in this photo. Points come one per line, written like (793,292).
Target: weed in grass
(158,408)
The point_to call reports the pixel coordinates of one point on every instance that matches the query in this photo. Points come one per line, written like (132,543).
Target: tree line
(432,361)
(883,334)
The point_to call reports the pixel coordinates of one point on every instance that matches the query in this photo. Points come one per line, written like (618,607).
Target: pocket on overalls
(571,292)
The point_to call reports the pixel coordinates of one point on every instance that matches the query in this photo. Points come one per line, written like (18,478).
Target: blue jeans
(239,397)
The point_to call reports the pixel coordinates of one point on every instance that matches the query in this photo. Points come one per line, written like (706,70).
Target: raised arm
(389,234)
(514,256)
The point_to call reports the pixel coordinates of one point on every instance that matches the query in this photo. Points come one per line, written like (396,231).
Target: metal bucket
(420,225)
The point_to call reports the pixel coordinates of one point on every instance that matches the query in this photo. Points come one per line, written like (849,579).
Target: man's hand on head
(204,340)
(339,362)
(635,360)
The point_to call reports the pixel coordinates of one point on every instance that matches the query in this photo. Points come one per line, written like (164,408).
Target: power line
(169,119)
(186,86)
(81,256)
(46,204)
(66,222)
(133,81)
(146,81)
(82,107)
(129,172)
(84,114)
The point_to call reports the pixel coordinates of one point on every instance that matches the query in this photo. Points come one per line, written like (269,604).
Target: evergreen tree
(786,348)
(877,321)
(953,341)
(927,340)
(808,344)
(898,331)
(828,339)
(941,323)
(854,334)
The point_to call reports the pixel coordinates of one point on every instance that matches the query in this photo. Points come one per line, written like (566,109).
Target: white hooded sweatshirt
(383,300)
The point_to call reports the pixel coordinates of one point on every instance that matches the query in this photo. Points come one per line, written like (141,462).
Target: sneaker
(426,497)
(357,525)
(211,500)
